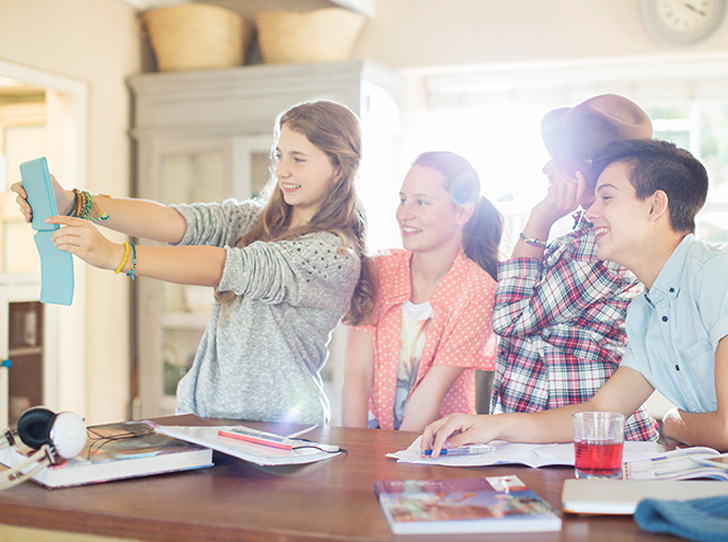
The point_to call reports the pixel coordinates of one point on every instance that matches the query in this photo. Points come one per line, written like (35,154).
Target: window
(492,116)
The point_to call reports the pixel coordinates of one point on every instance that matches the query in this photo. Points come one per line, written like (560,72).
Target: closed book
(497,504)
(113,452)
(620,497)
(680,464)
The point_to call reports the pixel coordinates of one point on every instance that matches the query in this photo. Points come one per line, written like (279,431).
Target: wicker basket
(197,37)
(322,35)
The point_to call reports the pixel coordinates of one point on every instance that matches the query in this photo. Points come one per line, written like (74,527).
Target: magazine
(497,504)
(115,451)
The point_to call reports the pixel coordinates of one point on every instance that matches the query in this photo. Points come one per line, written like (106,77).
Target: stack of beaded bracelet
(132,271)
(83,204)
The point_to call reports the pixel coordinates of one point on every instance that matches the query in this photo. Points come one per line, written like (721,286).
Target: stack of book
(116,451)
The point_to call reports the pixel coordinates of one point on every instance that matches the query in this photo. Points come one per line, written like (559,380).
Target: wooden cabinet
(206,136)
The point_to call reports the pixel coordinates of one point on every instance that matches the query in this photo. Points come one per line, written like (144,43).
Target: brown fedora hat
(575,135)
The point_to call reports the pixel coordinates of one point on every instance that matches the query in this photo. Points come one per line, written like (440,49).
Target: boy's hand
(457,430)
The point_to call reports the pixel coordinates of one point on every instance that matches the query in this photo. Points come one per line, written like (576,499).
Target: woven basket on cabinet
(322,35)
(197,37)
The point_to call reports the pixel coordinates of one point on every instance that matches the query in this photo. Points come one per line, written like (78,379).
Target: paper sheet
(531,455)
(207,436)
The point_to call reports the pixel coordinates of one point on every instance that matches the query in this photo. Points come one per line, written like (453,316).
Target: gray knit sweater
(260,356)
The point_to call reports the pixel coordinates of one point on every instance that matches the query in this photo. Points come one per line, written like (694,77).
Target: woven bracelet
(537,243)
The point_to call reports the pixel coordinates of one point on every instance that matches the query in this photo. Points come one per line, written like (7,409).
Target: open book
(531,455)
(680,464)
(269,450)
(115,451)
(497,504)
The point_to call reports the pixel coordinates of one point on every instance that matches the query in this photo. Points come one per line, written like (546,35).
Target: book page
(531,455)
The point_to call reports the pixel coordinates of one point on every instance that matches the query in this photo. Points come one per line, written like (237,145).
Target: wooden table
(234,500)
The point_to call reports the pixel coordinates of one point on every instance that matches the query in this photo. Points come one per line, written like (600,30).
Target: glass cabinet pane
(189,177)
(260,171)
(178,352)
(25,342)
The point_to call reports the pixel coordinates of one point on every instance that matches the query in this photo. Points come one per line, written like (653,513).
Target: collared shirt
(561,326)
(460,333)
(674,329)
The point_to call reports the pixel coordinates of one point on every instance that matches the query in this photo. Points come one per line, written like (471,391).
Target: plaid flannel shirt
(561,326)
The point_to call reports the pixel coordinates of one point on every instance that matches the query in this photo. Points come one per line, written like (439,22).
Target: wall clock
(683,23)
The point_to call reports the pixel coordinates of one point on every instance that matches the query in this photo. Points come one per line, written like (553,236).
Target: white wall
(96,42)
(418,33)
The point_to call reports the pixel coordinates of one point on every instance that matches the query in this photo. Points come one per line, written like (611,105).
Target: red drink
(598,460)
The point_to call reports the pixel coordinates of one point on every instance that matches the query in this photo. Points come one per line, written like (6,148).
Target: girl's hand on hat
(564,195)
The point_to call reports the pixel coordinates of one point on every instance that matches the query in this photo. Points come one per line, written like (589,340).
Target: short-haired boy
(647,196)
(559,309)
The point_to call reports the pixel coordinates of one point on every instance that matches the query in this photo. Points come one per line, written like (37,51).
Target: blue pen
(462,450)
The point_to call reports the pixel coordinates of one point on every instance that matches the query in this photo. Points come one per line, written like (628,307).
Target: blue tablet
(56,266)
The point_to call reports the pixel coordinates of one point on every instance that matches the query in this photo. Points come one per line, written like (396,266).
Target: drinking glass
(598,444)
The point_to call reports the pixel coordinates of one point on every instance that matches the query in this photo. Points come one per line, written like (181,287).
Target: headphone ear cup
(68,434)
(34,427)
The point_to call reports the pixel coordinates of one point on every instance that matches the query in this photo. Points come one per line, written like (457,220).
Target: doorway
(42,346)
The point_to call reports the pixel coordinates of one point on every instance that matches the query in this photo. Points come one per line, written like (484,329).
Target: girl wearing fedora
(559,310)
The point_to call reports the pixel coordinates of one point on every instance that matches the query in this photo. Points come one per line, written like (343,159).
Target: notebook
(620,497)
(56,266)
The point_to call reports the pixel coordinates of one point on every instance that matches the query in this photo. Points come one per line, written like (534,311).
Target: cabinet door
(173,317)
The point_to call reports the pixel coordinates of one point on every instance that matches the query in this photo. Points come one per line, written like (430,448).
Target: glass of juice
(598,444)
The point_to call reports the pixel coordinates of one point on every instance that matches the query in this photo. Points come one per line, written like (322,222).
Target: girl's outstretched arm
(135,217)
(358,375)
(196,265)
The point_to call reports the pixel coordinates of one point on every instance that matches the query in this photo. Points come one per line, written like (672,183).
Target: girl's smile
(305,174)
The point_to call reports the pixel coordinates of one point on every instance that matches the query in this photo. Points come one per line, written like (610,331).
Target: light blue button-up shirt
(674,328)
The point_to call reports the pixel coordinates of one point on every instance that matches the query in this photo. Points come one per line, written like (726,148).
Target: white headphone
(54,436)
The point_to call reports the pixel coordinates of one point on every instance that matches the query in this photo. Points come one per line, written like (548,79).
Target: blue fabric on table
(705,520)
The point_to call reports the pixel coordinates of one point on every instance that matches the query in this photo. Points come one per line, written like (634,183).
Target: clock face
(683,23)
(685,15)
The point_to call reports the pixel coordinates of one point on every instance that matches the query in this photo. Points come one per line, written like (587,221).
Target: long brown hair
(482,232)
(334,129)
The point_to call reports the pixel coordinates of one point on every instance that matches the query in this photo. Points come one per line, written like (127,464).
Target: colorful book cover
(115,451)
(464,505)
